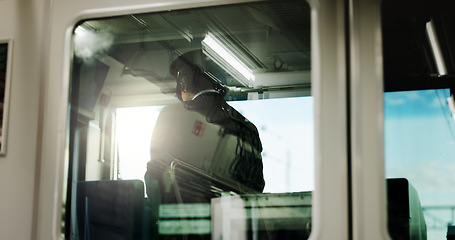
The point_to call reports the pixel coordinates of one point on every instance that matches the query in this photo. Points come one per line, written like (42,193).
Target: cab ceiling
(409,62)
(275,38)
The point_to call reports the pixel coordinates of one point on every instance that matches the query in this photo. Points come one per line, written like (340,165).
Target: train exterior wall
(22,22)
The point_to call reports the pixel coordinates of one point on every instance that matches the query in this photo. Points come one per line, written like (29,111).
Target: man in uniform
(206,133)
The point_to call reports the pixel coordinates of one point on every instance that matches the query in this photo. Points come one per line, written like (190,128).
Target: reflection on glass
(127,88)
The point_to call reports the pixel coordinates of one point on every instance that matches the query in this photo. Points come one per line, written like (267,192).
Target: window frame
(366,114)
(329,89)
(330,205)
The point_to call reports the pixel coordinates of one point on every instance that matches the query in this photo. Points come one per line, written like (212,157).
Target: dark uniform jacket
(247,168)
(240,161)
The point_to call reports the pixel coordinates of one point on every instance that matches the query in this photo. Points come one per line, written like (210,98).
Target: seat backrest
(405,214)
(110,209)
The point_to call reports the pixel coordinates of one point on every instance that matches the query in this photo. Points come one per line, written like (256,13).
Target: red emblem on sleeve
(198,128)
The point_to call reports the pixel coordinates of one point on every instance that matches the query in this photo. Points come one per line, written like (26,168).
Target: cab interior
(122,62)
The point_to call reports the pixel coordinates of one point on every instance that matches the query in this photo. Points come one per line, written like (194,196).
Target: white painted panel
(328,73)
(368,180)
(22,22)
(329,91)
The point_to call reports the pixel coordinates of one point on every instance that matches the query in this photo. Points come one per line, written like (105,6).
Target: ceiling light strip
(436,48)
(218,51)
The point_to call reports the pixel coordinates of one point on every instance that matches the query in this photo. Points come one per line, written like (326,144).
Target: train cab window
(419,123)
(183,122)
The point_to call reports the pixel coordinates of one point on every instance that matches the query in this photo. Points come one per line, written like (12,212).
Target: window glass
(177,116)
(280,136)
(288,154)
(419,139)
(5,62)
(134,128)
(419,126)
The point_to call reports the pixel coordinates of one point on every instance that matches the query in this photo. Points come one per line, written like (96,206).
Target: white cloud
(395,101)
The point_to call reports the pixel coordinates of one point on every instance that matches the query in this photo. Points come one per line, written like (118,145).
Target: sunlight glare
(134,133)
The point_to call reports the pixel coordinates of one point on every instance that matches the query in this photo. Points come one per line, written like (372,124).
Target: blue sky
(286,129)
(420,144)
(419,137)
